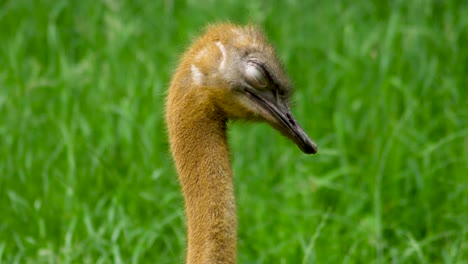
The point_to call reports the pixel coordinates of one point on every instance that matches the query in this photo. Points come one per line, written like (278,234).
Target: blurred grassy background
(382,86)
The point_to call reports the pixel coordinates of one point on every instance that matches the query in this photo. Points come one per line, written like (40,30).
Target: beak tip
(310,148)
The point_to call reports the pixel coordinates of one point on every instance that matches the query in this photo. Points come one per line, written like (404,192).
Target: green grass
(85,173)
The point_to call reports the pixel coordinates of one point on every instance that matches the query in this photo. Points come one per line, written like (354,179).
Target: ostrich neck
(199,147)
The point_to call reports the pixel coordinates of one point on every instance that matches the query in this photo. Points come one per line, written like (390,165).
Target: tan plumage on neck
(229,73)
(199,147)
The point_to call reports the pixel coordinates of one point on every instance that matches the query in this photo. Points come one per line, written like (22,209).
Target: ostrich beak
(281,118)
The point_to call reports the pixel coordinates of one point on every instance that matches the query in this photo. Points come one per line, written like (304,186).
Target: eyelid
(256,74)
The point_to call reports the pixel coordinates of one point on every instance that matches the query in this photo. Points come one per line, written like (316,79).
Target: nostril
(291,119)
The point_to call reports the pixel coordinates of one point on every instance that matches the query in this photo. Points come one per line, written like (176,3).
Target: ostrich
(230,72)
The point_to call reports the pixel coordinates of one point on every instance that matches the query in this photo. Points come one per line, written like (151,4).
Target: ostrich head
(237,72)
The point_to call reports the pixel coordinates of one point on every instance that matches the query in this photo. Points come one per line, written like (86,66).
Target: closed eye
(255,75)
